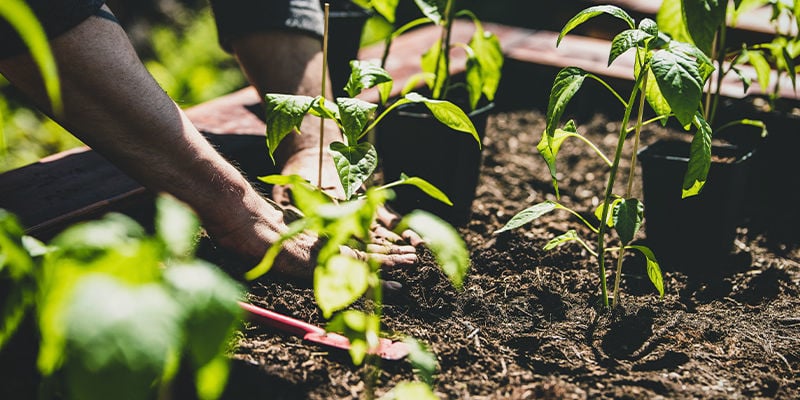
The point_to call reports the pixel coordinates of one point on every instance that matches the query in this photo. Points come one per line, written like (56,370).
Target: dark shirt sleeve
(55,16)
(235,18)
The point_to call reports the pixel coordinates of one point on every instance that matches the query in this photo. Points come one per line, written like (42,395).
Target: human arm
(112,103)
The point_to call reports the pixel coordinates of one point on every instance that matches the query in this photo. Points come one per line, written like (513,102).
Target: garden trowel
(387,349)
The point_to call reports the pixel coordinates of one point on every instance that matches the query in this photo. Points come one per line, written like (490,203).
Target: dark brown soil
(528,323)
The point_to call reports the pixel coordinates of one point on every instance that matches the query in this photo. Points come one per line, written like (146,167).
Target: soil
(529,323)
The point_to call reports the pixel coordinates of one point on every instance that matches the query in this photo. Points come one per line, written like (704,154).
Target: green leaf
(448,114)
(283,114)
(212,378)
(548,147)
(703,18)
(762,67)
(23,20)
(653,269)
(15,262)
(425,186)
(670,21)
(699,159)
(339,282)
(444,242)
(364,75)
(489,54)
(433,64)
(177,226)
(422,360)
(355,115)
(654,97)
(16,275)
(570,235)
(208,303)
(119,338)
(625,41)
(355,164)
(527,215)
(305,195)
(598,211)
(474,80)
(433,9)
(628,215)
(592,12)
(679,80)
(385,8)
(649,26)
(361,329)
(567,83)
(410,390)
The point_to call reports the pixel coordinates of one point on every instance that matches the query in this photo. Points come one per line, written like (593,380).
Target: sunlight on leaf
(527,215)
(284,113)
(355,164)
(653,269)
(591,12)
(566,84)
(177,226)
(339,282)
(444,242)
(570,235)
(410,390)
(699,159)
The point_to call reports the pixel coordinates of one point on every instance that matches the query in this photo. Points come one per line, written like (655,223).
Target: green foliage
(356,160)
(705,24)
(484,54)
(117,308)
(27,136)
(22,19)
(669,75)
(188,63)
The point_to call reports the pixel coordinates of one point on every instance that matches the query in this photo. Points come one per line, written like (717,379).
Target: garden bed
(528,325)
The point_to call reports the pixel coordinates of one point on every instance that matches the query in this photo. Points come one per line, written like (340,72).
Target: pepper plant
(669,76)
(705,23)
(341,279)
(117,309)
(484,54)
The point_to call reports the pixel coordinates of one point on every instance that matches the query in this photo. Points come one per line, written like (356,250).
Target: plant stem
(398,32)
(612,176)
(629,189)
(443,59)
(723,32)
(322,83)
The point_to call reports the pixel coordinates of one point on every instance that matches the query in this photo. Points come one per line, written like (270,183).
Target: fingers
(387,256)
(389,219)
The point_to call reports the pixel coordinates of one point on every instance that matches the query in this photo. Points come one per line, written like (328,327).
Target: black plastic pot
(775,185)
(413,142)
(345,26)
(695,234)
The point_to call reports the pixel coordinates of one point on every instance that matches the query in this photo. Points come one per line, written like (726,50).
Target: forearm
(114,106)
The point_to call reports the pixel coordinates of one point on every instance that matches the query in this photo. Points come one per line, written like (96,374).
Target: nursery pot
(345,26)
(695,234)
(412,141)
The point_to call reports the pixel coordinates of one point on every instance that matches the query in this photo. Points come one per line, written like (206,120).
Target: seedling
(484,53)
(669,75)
(339,279)
(705,23)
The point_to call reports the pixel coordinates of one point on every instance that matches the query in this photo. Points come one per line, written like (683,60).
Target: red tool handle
(280,321)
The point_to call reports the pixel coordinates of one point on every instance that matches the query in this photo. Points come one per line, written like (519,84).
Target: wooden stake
(324,72)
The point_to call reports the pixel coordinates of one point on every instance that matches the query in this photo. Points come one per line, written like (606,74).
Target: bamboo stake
(324,72)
